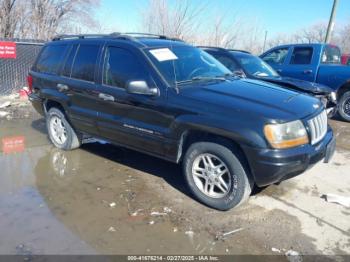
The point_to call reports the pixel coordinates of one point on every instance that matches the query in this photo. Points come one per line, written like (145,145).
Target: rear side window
(121,66)
(67,69)
(301,56)
(50,59)
(276,56)
(331,55)
(85,62)
(227,61)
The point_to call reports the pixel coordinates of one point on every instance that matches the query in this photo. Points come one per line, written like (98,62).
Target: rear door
(46,70)
(78,83)
(302,64)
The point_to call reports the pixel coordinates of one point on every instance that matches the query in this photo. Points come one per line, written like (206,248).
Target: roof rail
(146,35)
(212,47)
(239,50)
(129,36)
(224,49)
(80,36)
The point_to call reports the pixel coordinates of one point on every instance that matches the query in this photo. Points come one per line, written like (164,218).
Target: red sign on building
(8,50)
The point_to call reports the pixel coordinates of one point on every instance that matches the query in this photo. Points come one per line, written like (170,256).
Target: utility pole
(331,21)
(265,41)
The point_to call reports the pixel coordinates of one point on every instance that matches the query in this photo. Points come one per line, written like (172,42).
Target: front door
(133,120)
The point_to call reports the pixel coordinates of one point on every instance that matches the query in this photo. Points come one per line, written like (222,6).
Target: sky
(275,16)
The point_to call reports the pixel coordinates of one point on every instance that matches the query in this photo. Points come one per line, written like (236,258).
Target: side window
(276,56)
(50,59)
(228,62)
(121,66)
(85,62)
(67,69)
(301,56)
(331,55)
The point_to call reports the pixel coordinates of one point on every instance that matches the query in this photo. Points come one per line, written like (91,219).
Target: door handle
(309,71)
(279,70)
(106,97)
(62,87)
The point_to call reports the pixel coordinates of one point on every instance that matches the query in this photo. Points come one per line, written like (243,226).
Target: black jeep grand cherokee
(166,98)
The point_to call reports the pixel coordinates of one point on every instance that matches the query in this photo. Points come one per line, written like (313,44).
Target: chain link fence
(13,72)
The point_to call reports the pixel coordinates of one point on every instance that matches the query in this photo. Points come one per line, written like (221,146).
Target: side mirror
(141,88)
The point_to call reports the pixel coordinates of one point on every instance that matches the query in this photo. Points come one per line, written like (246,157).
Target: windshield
(255,66)
(180,64)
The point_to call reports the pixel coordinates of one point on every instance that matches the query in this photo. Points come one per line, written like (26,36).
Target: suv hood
(254,96)
(300,85)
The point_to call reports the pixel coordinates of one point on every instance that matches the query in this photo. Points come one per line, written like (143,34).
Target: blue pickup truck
(318,63)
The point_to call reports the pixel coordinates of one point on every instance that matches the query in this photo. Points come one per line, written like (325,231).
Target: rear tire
(208,186)
(61,133)
(344,106)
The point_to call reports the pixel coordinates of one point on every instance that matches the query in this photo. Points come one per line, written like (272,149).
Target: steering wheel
(196,72)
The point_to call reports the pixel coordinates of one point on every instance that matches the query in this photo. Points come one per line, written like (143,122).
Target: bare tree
(42,19)
(315,33)
(253,38)
(342,39)
(8,18)
(225,31)
(181,19)
(50,17)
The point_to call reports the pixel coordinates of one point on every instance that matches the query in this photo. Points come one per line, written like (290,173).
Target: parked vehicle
(247,65)
(345,59)
(318,63)
(171,100)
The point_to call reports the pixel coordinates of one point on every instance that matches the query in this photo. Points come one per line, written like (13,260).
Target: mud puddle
(102,199)
(91,200)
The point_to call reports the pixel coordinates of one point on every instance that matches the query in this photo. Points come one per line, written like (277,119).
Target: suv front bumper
(270,166)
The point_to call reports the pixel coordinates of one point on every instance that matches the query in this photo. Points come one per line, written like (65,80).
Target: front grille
(318,127)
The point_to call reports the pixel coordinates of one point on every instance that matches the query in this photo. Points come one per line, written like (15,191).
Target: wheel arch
(343,89)
(190,137)
(49,103)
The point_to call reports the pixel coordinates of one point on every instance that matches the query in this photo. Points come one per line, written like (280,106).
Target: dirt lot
(102,199)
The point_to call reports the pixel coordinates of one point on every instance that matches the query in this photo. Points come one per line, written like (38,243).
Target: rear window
(331,55)
(226,61)
(301,56)
(85,61)
(50,59)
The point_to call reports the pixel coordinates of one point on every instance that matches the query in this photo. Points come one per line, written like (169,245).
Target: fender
(54,95)
(185,125)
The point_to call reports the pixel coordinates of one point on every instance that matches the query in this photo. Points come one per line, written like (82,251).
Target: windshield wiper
(202,78)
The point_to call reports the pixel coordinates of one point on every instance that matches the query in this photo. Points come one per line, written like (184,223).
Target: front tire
(61,133)
(344,106)
(216,175)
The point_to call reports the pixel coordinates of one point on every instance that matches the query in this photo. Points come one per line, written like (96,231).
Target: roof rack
(239,50)
(212,47)
(80,36)
(129,36)
(146,35)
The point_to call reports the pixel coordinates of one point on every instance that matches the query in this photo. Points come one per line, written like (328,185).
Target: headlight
(333,97)
(286,135)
